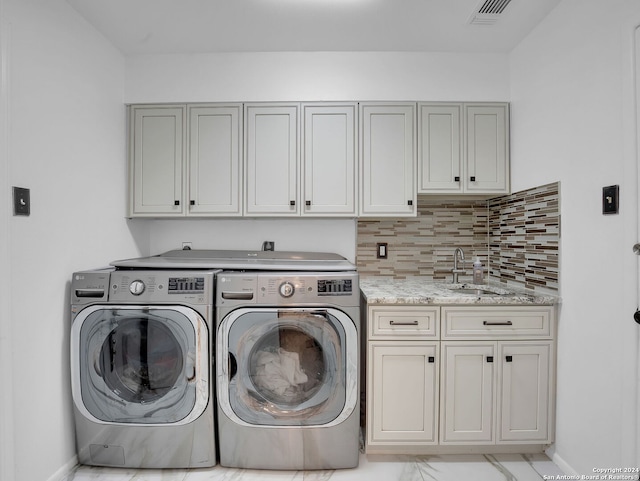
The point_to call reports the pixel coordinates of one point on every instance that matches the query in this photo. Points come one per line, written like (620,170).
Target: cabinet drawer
(497,322)
(408,322)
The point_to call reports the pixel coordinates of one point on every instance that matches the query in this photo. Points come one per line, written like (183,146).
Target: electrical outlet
(21,201)
(382,250)
(268,246)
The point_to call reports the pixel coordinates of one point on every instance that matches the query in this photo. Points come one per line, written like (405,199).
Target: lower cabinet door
(468,392)
(402,393)
(524,387)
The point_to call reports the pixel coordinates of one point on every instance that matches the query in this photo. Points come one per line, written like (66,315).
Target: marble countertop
(380,290)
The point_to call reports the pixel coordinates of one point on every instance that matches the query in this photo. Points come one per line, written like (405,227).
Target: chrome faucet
(457,253)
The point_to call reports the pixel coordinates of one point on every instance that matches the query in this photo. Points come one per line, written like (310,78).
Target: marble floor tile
(495,467)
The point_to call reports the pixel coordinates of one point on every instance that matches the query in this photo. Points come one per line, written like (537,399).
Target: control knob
(136,288)
(287,289)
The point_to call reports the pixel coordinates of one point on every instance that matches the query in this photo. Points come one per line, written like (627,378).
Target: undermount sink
(478,291)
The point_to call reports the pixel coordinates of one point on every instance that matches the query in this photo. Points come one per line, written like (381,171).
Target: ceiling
(199,26)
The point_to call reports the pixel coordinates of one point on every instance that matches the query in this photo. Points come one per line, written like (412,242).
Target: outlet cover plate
(610,199)
(21,201)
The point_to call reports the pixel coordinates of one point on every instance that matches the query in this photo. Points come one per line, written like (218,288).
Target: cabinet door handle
(457,178)
(489,358)
(473,178)
(497,323)
(292,203)
(432,359)
(403,323)
(409,202)
(192,202)
(308,203)
(509,359)
(176,202)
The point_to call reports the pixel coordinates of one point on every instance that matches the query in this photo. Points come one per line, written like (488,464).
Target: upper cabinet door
(388,159)
(215,147)
(487,148)
(157,160)
(271,159)
(329,160)
(440,148)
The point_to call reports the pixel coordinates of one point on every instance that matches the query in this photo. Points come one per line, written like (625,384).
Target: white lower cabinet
(524,389)
(403,393)
(495,392)
(468,392)
(486,383)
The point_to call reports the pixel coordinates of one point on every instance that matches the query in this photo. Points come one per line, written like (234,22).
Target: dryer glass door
(141,365)
(287,367)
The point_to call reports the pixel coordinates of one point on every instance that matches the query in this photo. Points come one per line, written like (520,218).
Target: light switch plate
(610,196)
(21,201)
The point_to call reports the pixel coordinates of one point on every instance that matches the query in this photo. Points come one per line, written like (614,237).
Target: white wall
(65,141)
(573,121)
(309,76)
(6,373)
(571,88)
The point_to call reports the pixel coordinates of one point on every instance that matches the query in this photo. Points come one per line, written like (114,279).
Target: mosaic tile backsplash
(515,236)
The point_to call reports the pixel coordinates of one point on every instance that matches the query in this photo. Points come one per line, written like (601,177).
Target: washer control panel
(283,288)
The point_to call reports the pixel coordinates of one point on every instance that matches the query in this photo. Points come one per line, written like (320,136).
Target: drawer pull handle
(497,323)
(403,323)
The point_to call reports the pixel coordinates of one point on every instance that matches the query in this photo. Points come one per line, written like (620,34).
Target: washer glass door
(140,365)
(287,367)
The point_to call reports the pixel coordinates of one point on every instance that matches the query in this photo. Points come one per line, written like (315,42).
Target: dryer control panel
(193,287)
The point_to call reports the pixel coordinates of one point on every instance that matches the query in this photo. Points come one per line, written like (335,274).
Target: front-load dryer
(141,368)
(287,369)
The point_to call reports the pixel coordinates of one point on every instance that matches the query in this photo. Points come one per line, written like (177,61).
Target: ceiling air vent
(488,12)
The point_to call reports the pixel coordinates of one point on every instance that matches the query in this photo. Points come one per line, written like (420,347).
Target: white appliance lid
(237,259)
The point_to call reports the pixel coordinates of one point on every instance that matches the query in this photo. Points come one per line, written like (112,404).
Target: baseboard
(561,463)
(62,473)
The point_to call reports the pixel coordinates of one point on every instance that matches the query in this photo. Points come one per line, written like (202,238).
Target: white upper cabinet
(271,159)
(215,144)
(282,182)
(487,148)
(329,159)
(156,144)
(439,148)
(314,159)
(388,159)
(463,148)
(185,160)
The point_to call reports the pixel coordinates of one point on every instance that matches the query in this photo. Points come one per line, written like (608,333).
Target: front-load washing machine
(141,367)
(287,369)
